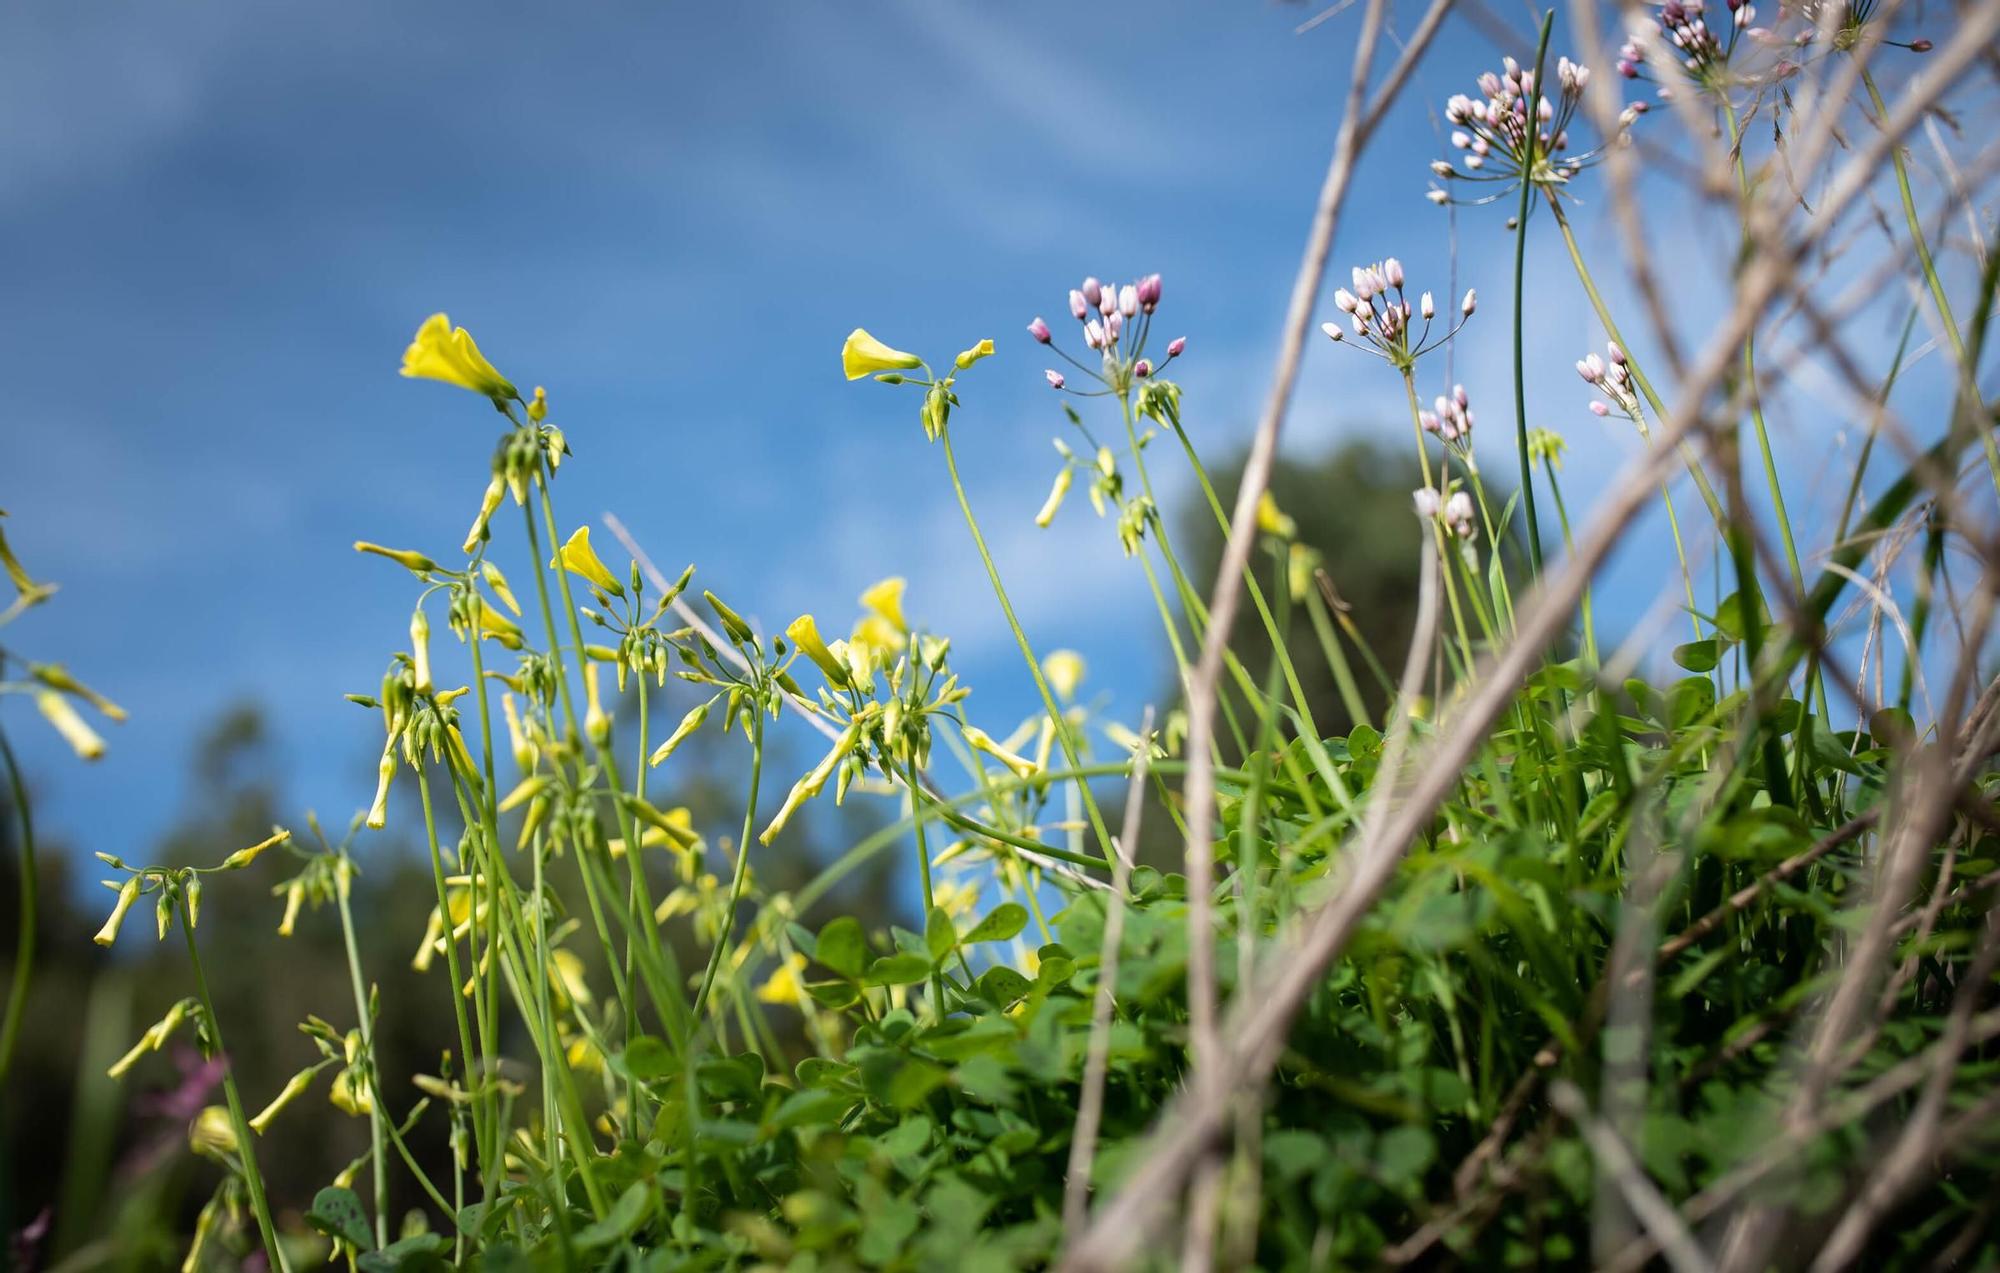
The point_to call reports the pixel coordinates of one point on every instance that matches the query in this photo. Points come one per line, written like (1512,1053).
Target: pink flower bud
(1470,303)
(1425,500)
(1392,272)
(1438,197)
(1429,421)
(1175,346)
(1920,46)
(1591,369)
(1333,332)
(1616,351)
(1093,334)
(1345,301)
(1458,396)
(1599,409)
(1114,325)
(1427,307)
(1055,379)
(1039,330)
(1128,300)
(1149,292)
(1093,291)
(1078,307)
(1142,368)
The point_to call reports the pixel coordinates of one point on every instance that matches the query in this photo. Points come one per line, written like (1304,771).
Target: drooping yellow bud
(1057,491)
(979,740)
(385,771)
(57,677)
(529,788)
(212,1134)
(579,558)
(152,1040)
(810,785)
(984,349)
(1065,669)
(498,582)
(689,723)
(59,713)
(496,490)
(538,406)
(732,622)
(350,1096)
(128,893)
(442,352)
(595,722)
(194,901)
(420,649)
(298,1084)
(886,599)
(804,633)
(863,355)
(295,895)
(412,561)
(493,623)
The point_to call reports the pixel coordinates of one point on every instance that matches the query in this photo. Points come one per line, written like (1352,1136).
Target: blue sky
(219,226)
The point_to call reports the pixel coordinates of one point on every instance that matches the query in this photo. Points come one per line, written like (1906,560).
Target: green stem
(742,859)
(246,1150)
(924,874)
(1533,132)
(342,888)
(30,902)
(444,911)
(1063,738)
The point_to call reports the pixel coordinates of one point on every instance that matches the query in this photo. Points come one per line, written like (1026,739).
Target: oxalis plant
(1538,956)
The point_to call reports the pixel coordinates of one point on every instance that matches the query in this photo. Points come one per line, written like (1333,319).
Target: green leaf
(1002,986)
(833,994)
(843,947)
(939,934)
(627,1214)
(1003,922)
(418,1251)
(1698,656)
(648,1058)
(898,970)
(812,1108)
(337,1213)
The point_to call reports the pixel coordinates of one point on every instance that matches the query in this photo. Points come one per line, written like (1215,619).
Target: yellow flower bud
(1059,489)
(579,558)
(528,789)
(979,740)
(385,771)
(538,406)
(495,491)
(1065,669)
(152,1040)
(498,582)
(442,352)
(128,893)
(57,677)
(498,626)
(732,622)
(864,355)
(810,785)
(886,599)
(689,723)
(194,901)
(212,1134)
(298,1084)
(349,1095)
(59,713)
(804,633)
(595,723)
(984,349)
(420,649)
(295,894)
(413,561)
(517,739)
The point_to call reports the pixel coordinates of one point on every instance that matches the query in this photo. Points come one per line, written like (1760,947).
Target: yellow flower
(984,349)
(1271,520)
(579,558)
(299,1083)
(864,355)
(810,785)
(349,1096)
(442,352)
(886,599)
(566,976)
(804,634)
(403,557)
(979,740)
(1057,491)
(1064,668)
(784,986)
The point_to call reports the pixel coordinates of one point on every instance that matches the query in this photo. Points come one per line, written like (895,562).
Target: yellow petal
(863,355)
(886,599)
(1064,668)
(440,352)
(579,558)
(804,634)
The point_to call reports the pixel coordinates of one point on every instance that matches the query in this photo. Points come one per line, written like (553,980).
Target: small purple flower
(1039,330)
(1175,346)
(1055,379)
(1142,368)
(1093,291)
(1114,325)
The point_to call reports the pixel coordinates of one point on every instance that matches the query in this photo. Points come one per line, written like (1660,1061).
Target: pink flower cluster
(1382,316)
(1613,376)
(1455,511)
(1115,321)
(1703,54)
(1450,416)
(1498,143)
